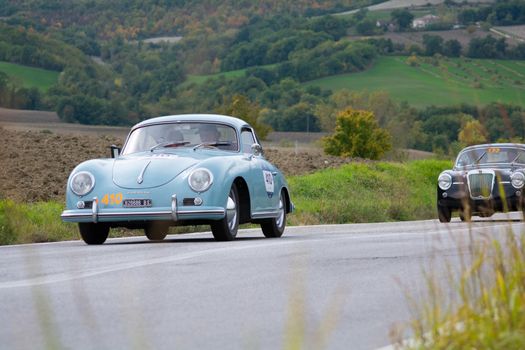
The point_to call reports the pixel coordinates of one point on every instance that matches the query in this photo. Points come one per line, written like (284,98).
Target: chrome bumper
(172,213)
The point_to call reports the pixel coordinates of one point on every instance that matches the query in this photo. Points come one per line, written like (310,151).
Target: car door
(262,176)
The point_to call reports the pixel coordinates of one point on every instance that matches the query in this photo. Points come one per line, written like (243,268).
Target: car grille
(480,185)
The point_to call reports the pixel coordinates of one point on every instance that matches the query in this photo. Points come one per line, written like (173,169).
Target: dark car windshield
(491,155)
(187,134)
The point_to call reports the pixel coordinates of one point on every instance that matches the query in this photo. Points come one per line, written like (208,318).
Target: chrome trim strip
(140,179)
(167,213)
(94,209)
(458,183)
(504,182)
(265,214)
(174,207)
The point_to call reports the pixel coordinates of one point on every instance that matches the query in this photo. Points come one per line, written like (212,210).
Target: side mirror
(257,150)
(115,151)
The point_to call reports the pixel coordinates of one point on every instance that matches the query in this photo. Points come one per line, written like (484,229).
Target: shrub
(357,134)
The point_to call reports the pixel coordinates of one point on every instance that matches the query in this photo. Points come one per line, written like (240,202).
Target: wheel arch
(287,201)
(244,200)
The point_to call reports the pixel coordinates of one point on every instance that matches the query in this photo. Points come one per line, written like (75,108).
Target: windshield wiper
(483,155)
(212,144)
(169,144)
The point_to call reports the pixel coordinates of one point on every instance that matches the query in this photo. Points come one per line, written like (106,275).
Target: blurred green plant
(486,309)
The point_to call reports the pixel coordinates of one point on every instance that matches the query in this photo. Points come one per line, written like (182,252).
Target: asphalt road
(322,287)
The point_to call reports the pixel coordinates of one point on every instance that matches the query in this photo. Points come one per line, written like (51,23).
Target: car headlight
(82,183)
(444,181)
(200,179)
(517,179)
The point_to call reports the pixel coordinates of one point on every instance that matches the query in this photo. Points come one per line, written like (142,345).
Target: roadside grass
(443,81)
(482,305)
(30,76)
(33,223)
(367,192)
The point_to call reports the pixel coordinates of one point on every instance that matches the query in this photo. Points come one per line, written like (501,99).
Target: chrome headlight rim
(85,192)
(445,181)
(517,179)
(208,183)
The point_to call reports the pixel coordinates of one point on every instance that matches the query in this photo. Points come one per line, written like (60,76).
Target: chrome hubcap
(231,212)
(280,219)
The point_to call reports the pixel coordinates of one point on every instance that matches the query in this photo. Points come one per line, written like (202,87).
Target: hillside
(30,76)
(438,82)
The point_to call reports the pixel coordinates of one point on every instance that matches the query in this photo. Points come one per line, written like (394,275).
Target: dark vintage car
(485,179)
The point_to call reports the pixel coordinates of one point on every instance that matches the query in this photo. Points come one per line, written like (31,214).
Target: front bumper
(458,197)
(173,213)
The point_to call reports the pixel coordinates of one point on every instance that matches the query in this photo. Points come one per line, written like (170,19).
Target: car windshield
(188,134)
(491,155)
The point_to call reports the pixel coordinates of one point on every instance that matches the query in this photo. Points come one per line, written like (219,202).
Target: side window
(247,140)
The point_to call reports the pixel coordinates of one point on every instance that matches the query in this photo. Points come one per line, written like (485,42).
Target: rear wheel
(226,228)
(274,228)
(93,233)
(444,213)
(156,231)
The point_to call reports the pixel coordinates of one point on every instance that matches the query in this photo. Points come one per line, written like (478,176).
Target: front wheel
(226,228)
(156,231)
(274,228)
(93,233)
(444,213)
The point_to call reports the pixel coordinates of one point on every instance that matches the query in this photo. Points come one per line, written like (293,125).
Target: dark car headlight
(444,181)
(82,183)
(200,179)
(517,179)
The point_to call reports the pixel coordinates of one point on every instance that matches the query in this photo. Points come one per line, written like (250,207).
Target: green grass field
(450,82)
(30,76)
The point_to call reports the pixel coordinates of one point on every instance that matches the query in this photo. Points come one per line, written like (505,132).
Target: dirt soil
(35,165)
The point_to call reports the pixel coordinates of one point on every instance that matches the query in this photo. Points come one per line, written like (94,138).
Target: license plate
(137,203)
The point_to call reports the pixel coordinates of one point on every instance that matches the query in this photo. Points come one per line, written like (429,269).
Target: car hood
(149,170)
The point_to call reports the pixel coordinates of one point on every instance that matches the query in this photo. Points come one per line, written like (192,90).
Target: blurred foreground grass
(482,305)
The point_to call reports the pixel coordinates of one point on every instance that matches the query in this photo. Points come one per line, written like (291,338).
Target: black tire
(157,231)
(274,228)
(226,228)
(444,213)
(93,233)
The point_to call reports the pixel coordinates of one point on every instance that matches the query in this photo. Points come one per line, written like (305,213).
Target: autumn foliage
(357,134)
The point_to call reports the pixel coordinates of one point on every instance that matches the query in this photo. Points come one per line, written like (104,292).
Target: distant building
(424,21)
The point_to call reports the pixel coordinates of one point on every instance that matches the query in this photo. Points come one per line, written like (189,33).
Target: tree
(240,107)
(357,134)
(433,44)
(472,133)
(403,18)
(366,27)
(452,48)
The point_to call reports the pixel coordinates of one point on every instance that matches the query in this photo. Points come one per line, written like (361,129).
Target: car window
(491,155)
(247,140)
(187,134)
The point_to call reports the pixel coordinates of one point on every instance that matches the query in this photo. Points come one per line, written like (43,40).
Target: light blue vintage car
(180,170)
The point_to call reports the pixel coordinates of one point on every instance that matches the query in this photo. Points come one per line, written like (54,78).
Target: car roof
(209,118)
